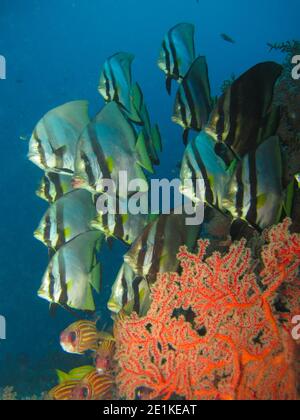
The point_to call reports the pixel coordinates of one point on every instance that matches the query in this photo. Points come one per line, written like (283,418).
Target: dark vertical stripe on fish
(51,282)
(194,174)
(252,213)
(47,186)
(99,154)
(174,56)
(114,84)
(107,87)
(136,293)
(105,220)
(88,169)
(240,191)
(168,58)
(59,158)
(143,251)
(41,151)
(119,227)
(208,190)
(158,248)
(183,110)
(191,105)
(63,299)
(55,179)
(47,231)
(60,228)
(220,126)
(125,290)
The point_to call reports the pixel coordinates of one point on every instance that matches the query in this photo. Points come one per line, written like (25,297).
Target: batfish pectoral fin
(143,156)
(95,277)
(156,138)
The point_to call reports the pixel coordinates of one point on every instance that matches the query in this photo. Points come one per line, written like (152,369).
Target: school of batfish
(227,141)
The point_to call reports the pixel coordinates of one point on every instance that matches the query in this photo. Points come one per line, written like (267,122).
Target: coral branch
(217,331)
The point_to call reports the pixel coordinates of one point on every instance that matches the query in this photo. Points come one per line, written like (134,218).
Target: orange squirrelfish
(82,336)
(104,356)
(94,387)
(64,391)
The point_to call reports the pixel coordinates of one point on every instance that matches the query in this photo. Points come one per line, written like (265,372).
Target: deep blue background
(54,51)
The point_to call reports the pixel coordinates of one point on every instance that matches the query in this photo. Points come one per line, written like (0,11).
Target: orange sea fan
(221,330)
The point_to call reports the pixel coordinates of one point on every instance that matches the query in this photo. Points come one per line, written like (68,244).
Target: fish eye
(85,393)
(142,392)
(72,336)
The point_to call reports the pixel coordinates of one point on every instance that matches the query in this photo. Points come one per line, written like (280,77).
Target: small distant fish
(193,103)
(177,53)
(130,293)
(116,82)
(227,38)
(52,146)
(243,116)
(67,218)
(94,386)
(54,186)
(104,356)
(297,177)
(107,146)
(73,272)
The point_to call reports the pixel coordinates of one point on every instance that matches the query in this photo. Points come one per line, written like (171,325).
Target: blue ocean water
(54,52)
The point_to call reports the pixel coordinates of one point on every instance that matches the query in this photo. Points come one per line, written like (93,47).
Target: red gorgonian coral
(221,330)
